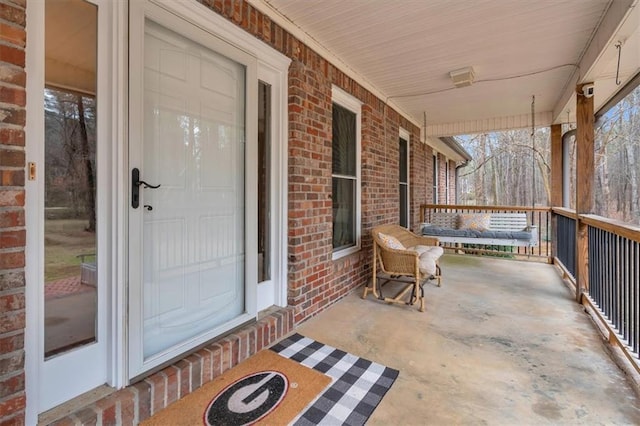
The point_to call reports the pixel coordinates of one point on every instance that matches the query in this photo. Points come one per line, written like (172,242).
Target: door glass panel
(193,223)
(264,179)
(69,173)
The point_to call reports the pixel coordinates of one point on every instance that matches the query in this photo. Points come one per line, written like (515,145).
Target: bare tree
(503,167)
(70,153)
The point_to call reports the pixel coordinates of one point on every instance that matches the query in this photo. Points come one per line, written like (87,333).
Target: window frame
(349,102)
(436,178)
(447,191)
(404,135)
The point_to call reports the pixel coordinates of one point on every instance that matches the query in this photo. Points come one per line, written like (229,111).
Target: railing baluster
(610,279)
(625,282)
(635,262)
(595,261)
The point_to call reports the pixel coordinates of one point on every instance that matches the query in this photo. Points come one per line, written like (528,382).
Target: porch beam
(616,15)
(556,178)
(556,165)
(584,185)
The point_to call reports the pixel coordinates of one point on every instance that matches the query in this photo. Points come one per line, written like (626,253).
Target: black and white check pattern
(357,388)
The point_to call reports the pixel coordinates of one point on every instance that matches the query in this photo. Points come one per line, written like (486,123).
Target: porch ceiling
(404,51)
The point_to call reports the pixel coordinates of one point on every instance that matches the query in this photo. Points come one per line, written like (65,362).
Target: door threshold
(73,405)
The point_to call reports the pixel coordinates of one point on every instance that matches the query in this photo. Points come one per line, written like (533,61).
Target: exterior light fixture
(462,77)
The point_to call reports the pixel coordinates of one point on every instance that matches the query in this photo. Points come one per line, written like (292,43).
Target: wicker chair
(398,265)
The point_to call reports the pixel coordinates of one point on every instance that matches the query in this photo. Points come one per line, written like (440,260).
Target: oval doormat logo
(247,399)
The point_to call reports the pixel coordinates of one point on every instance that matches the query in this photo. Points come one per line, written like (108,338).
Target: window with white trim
(345,173)
(446,180)
(435,178)
(403,169)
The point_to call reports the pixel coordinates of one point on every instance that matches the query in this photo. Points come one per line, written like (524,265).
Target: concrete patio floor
(501,342)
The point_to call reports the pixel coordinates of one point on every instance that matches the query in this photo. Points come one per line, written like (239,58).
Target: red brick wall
(452,182)
(421,178)
(309,224)
(442,176)
(12,231)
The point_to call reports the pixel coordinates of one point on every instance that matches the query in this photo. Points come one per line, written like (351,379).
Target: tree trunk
(633,180)
(86,156)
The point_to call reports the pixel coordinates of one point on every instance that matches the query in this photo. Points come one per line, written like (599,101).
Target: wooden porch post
(584,186)
(556,181)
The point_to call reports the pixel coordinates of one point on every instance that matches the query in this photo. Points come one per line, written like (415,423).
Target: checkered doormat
(358,384)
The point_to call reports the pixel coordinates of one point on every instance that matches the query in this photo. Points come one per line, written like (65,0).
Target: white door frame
(47,383)
(274,291)
(272,68)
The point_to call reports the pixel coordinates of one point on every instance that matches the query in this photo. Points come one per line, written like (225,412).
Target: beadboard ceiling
(403,50)
(70,44)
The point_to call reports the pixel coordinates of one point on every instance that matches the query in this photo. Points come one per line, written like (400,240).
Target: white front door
(192,255)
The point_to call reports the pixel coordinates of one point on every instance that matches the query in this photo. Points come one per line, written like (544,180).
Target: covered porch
(502,342)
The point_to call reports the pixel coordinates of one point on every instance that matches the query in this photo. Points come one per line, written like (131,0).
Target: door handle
(135,187)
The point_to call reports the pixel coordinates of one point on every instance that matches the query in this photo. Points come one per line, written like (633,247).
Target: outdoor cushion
(391,242)
(419,249)
(428,256)
(508,235)
(427,263)
(435,251)
(467,233)
(449,232)
(474,221)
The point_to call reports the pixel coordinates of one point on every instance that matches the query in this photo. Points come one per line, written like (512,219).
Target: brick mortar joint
(11,85)
(12,374)
(11,229)
(11,292)
(13,147)
(14,46)
(14,107)
(12,126)
(12,4)
(11,23)
(13,333)
(11,250)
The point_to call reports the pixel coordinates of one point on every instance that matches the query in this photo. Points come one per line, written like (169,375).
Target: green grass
(65,239)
